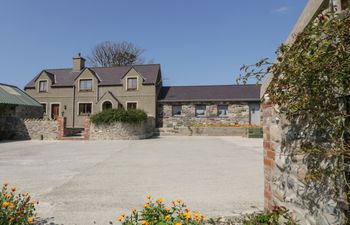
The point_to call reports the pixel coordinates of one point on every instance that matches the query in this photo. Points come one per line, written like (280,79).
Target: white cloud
(281,9)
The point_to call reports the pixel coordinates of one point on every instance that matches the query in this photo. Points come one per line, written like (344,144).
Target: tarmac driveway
(92,182)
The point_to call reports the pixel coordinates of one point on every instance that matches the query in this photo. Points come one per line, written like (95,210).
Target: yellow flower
(186,215)
(13,188)
(5,204)
(30,220)
(123,214)
(145,205)
(144,222)
(159,200)
(178,201)
(120,218)
(12,206)
(167,217)
(196,214)
(133,210)
(178,223)
(8,196)
(148,196)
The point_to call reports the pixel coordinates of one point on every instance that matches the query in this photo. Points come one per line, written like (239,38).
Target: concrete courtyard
(93,182)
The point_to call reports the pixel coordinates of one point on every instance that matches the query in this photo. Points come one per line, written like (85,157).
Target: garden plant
(16,208)
(119,115)
(155,212)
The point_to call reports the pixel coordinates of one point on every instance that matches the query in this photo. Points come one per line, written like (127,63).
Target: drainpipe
(73,110)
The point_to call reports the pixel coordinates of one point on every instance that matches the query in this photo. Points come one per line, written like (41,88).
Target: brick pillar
(269,155)
(87,128)
(61,127)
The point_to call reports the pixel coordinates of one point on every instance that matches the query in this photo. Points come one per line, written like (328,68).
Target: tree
(110,54)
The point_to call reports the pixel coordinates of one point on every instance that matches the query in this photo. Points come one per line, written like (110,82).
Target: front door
(55,111)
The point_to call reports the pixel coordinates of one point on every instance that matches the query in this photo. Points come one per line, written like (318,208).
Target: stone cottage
(80,91)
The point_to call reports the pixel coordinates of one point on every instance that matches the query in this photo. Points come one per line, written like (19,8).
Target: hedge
(119,115)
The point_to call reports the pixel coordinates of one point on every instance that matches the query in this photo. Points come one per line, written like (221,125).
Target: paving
(91,182)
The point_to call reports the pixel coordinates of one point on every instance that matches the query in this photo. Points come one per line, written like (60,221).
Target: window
(132,84)
(85,109)
(200,110)
(43,86)
(44,108)
(85,85)
(106,105)
(131,105)
(222,110)
(176,110)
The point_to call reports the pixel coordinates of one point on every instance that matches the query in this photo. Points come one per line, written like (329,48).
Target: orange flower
(30,220)
(159,200)
(178,223)
(6,184)
(133,210)
(145,205)
(13,188)
(5,204)
(12,206)
(144,222)
(120,218)
(167,209)
(148,196)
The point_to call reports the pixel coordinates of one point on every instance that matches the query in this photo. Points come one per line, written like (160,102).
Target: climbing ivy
(310,82)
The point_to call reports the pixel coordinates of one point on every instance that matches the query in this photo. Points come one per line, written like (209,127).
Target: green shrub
(16,209)
(119,115)
(278,216)
(155,212)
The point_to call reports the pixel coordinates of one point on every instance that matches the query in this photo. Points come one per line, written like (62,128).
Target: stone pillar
(269,155)
(61,127)
(87,128)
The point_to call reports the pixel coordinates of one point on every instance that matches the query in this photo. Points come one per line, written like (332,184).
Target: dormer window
(131,84)
(85,85)
(43,86)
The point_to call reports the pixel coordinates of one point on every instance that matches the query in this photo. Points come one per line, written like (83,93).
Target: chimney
(78,63)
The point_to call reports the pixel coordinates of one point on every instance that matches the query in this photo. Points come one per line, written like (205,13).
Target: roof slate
(107,75)
(12,95)
(210,93)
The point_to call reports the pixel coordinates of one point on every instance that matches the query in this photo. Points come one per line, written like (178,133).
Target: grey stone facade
(238,113)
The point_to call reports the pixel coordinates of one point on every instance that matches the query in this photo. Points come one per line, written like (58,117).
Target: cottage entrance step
(74,134)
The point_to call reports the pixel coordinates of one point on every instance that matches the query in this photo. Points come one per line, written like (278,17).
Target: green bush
(278,216)
(16,209)
(119,115)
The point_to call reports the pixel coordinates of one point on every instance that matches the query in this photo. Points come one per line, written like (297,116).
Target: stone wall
(203,131)
(120,131)
(238,113)
(286,182)
(14,128)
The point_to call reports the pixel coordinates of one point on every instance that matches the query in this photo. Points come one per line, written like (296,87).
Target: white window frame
(205,110)
(126,104)
(47,85)
(172,110)
(218,106)
(137,83)
(92,84)
(92,108)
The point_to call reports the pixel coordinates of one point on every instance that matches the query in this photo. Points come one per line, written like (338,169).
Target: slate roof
(250,92)
(12,95)
(107,75)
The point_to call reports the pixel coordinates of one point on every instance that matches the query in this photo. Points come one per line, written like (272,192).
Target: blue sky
(195,41)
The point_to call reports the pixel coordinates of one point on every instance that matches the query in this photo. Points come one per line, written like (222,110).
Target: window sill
(43,91)
(131,89)
(85,90)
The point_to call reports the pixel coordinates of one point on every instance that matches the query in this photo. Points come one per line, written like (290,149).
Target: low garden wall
(14,128)
(121,131)
(242,131)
